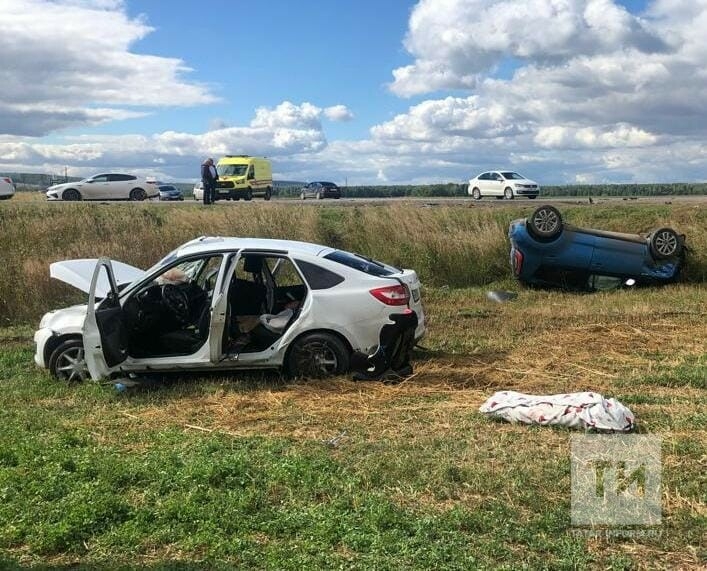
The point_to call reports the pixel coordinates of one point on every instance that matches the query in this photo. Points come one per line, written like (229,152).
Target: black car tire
(545,222)
(71,194)
(476,194)
(67,362)
(268,193)
(508,193)
(533,196)
(137,194)
(249,194)
(317,355)
(665,243)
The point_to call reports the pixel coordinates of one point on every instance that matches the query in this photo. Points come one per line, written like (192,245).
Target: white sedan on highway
(227,303)
(7,187)
(502,184)
(107,186)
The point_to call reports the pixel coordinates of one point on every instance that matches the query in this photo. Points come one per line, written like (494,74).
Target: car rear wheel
(137,194)
(268,193)
(317,355)
(476,194)
(665,243)
(508,193)
(545,222)
(71,194)
(68,362)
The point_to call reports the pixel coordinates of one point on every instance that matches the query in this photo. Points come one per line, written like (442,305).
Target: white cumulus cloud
(68,63)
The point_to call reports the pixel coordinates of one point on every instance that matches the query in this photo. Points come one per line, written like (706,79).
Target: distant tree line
(459,190)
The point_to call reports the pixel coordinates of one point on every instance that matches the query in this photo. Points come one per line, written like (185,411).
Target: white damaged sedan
(222,304)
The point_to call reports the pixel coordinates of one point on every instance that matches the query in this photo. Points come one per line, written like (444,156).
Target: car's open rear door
(104,335)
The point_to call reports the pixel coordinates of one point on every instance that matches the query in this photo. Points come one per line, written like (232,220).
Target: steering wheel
(176,301)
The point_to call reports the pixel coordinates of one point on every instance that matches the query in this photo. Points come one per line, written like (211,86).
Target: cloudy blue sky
(364,91)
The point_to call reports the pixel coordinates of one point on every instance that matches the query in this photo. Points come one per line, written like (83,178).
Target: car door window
(169,315)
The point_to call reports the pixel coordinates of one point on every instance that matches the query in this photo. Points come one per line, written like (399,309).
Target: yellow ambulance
(243,176)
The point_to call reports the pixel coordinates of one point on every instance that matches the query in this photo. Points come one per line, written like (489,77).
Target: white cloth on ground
(588,411)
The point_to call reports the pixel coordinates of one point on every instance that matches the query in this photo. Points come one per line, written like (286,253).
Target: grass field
(247,470)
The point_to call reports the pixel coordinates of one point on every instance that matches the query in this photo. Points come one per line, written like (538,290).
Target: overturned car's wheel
(545,222)
(665,243)
(317,355)
(68,363)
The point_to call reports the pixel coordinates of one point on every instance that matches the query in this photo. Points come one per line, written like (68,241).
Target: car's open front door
(104,335)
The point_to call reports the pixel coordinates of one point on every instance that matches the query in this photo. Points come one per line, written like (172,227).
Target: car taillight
(392,295)
(517,262)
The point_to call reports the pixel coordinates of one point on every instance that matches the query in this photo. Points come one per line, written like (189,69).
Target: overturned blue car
(547,252)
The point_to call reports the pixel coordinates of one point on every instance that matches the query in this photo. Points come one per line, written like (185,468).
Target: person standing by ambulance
(209,176)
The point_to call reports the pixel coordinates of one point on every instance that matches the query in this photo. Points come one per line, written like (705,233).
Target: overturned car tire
(545,222)
(665,243)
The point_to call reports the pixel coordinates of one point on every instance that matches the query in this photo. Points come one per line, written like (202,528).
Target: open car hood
(78,273)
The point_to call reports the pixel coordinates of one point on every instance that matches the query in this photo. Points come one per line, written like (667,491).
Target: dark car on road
(170,192)
(545,251)
(320,190)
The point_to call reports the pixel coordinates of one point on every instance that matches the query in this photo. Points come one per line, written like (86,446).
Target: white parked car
(226,303)
(198,191)
(7,188)
(502,184)
(108,186)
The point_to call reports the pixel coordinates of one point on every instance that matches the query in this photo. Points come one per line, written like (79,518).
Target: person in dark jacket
(209,176)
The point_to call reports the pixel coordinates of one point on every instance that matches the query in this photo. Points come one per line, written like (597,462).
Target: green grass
(236,471)
(214,471)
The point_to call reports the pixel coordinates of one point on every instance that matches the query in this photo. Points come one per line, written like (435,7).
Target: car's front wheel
(268,193)
(249,194)
(137,194)
(665,243)
(68,362)
(476,194)
(508,193)
(71,194)
(317,355)
(545,222)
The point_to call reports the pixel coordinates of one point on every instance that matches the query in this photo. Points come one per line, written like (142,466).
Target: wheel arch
(333,332)
(55,340)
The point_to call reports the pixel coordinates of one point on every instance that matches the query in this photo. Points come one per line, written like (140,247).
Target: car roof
(324,182)
(209,243)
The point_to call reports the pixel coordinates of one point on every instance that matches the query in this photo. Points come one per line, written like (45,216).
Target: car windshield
(362,263)
(231,170)
(512,176)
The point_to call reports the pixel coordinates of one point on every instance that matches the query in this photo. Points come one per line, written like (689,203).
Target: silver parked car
(7,188)
(107,186)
